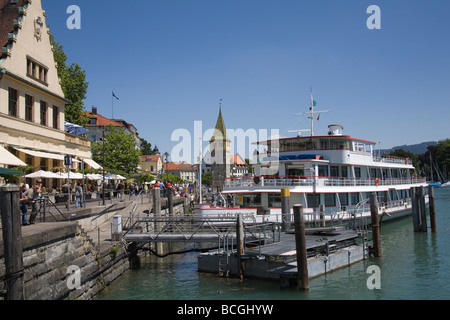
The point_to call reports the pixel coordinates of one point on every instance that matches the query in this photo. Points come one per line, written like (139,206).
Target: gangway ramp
(192,228)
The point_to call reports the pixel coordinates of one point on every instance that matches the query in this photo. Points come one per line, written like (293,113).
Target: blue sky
(171,61)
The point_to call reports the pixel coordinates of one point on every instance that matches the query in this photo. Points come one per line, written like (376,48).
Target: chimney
(94,110)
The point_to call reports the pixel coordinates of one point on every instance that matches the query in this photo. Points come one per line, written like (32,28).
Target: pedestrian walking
(78,195)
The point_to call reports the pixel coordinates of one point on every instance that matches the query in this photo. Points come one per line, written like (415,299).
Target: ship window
(343,198)
(344,172)
(355,198)
(334,171)
(295,170)
(323,144)
(251,200)
(313,200)
(275,200)
(323,171)
(339,144)
(330,200)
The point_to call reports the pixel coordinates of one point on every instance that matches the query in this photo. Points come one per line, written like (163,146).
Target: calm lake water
(413,266)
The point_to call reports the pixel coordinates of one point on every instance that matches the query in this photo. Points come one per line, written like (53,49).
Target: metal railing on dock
(192,228)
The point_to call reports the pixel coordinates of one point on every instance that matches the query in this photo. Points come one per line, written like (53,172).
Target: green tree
(146,147)
(406,154)
(121,155)
(73,84)
(171,177)
(206,178)
(145,177)
(443,156)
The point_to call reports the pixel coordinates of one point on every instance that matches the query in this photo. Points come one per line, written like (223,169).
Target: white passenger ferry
(331,174)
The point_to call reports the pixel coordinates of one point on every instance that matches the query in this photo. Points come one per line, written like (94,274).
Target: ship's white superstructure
(330,174)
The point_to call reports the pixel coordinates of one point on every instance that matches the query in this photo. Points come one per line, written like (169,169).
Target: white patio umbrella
(42,174)
(73,175)
(114,177)
(93,176)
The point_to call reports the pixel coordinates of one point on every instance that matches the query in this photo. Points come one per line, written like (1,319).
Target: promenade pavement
(103,239)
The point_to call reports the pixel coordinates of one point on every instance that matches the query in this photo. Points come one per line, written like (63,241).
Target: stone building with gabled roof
(32,102)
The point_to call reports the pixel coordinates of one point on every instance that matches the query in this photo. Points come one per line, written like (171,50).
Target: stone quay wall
(53,254)
(53,250)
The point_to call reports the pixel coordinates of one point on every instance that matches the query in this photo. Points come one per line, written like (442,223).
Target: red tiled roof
(8,12)
(103,121)
(152,158)
(178,166)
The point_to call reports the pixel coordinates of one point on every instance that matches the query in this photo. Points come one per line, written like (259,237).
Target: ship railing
(286,181)
(391,159)
(272,181)
(350,182)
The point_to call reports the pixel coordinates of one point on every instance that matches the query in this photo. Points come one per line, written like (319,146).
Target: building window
(43,113)
(93,121)
(55,117)
(37,71)
(12,106)
(28,108)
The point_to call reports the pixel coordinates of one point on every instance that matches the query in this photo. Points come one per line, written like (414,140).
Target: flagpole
(112,104)
(312,113)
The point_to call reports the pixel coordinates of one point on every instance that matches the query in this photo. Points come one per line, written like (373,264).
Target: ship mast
(311,113)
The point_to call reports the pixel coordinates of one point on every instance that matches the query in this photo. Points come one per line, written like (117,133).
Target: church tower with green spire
(220,153)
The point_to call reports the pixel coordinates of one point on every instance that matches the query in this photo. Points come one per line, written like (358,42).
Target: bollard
(285,210)
(376,249)
(300,245)
(432,209)
(12,237)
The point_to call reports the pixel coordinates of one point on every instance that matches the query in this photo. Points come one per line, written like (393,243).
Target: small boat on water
(331,175)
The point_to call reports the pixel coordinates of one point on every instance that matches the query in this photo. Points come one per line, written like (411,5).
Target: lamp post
(166,158)
(103,176)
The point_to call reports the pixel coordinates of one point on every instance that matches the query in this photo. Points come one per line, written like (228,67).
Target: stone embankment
(77,259)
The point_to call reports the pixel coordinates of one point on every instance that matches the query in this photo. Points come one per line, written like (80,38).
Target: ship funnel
(335,130)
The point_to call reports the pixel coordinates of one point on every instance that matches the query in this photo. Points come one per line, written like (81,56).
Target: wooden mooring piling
(376,247)
(300,245)
(12,237)
(419,211)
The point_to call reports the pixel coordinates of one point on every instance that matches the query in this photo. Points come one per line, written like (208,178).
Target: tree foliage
(443,153)
(121,155)
(406,154)
(171,177)
(146,147)
(206,178)
(73,84)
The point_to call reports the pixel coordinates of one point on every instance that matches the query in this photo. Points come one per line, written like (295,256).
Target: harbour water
(413,266)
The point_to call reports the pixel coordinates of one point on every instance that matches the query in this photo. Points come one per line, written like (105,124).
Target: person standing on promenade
(78,195)
(25,195)
(35,207)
